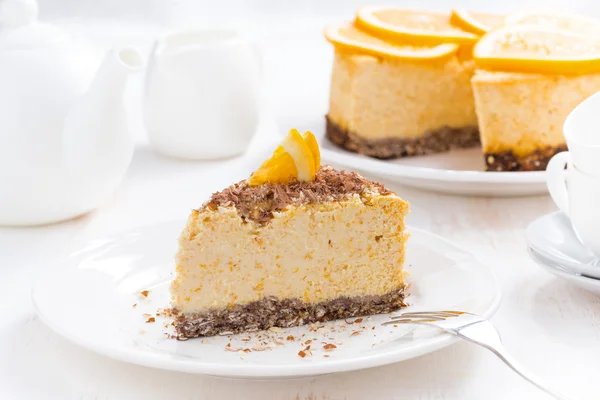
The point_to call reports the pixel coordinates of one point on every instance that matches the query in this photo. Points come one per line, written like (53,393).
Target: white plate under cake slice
(274,251)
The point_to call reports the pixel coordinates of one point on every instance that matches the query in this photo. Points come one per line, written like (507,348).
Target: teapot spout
(112,76)
(96,138)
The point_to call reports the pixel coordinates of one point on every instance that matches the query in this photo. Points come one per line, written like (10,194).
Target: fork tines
(427,315)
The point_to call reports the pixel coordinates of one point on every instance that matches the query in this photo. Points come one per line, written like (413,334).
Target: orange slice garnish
(572,22)
(475,22)
(346,36)
(280,168)
(422,27)
(313,145)
(292,160)
(537,49)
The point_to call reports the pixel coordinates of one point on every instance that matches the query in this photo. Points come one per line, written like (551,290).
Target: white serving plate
(88,298)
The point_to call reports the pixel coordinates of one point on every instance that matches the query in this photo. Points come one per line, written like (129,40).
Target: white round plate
(88,298)
(455,172)
(553,237)
(303,102)
(588,283)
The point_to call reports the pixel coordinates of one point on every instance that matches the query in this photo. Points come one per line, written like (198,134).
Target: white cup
(582,134)
(202,94)
(578,196)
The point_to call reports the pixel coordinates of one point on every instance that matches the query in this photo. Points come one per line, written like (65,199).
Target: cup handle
(556,180)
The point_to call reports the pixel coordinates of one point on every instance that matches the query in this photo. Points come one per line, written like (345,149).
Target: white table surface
(552,327)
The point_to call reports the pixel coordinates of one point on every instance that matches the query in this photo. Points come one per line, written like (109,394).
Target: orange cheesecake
(407,83)
(291,245)
(529,78)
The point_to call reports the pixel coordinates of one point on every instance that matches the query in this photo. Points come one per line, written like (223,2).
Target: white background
(550,326)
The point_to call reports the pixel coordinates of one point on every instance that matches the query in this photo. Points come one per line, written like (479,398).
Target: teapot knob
(16,13)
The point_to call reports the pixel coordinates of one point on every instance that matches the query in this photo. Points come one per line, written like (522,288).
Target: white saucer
(588,283)
(553,237)
(88,298)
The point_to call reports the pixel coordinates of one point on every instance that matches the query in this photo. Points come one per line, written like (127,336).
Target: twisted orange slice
(411,26)
(313,145)
(296,158)
(474,22)
(538,49)
(346,36)
(572,22)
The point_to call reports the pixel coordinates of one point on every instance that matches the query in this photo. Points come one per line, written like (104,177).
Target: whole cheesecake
(257,256)
(510,90)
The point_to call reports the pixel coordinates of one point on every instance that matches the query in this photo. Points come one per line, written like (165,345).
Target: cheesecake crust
(509,161)
(433,141)
(282,313)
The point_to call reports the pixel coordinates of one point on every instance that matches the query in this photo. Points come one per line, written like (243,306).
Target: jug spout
(96,140)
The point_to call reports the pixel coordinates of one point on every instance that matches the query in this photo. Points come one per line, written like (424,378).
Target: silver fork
(476,330)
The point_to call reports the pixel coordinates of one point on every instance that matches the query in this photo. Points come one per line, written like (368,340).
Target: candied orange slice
(313,145)
(292,160)
(537,49)
(572,22)
(346,36)
(280,168)
(475,22)
(295,145)
(411,26)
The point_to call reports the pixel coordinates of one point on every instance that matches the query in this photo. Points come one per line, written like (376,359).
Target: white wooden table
(552,327)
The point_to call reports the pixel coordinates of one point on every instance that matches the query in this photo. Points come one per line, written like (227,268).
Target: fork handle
(501,352)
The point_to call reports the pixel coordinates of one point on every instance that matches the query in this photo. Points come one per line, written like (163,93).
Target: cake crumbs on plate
(329,347)
(302,354)
(134,305)
(290,337)
(145,293)
(151,319)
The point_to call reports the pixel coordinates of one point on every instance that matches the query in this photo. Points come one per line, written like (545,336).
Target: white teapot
(64,141)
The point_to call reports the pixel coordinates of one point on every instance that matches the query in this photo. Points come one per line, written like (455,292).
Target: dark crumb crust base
(434,141)
(508,161)
(272,312)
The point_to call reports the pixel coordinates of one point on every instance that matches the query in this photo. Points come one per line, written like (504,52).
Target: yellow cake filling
(312,252)
(380,98)
(525,112)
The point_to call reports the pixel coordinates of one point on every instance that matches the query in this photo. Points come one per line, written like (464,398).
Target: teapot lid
(19,28)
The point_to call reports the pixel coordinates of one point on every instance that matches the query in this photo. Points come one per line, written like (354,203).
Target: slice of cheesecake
(392,100)
(521,116)
(387,108)
(531,78)
(261,254)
